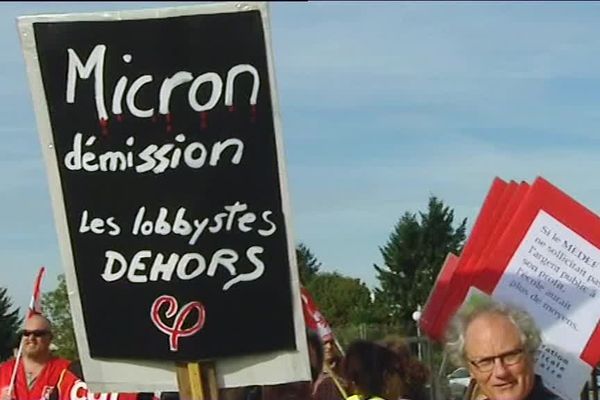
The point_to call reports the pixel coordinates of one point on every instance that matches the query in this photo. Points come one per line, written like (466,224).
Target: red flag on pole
(313,318)
(35,306)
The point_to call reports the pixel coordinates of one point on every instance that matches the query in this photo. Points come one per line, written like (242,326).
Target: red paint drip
(253,113)
(120,117)
(231,108)
(104,126)
(169,119)
(203,120)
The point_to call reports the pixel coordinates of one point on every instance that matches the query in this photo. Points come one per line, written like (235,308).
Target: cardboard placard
(556,239)
(437,296)
(163,149)
(434,319)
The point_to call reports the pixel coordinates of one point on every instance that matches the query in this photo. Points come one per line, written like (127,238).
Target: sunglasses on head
(36,332)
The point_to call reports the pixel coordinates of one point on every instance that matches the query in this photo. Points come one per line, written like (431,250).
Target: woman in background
(373,372)
(415,374)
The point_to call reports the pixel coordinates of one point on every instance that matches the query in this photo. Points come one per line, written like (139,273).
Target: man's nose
(500,370)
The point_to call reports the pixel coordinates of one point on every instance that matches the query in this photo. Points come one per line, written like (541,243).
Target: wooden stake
(189,381)
(339,386)
(197,381)
(211,374)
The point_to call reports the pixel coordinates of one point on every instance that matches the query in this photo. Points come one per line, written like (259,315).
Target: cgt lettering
(79,391)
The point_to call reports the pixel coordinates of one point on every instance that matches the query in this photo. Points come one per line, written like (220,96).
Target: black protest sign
(164,136)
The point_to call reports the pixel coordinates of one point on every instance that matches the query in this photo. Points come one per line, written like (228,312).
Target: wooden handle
(211,374)
(197,381)
(189,381)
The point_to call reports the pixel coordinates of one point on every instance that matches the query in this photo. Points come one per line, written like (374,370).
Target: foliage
(308,265)
(10,324)
(56,307)
(413,256)
(341,299)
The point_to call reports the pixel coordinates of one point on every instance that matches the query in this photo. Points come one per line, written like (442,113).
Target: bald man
(38,371)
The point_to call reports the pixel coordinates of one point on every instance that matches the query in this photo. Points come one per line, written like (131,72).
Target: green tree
(308,265)
(413,256)
(341,299)
(9,325)
(56,307)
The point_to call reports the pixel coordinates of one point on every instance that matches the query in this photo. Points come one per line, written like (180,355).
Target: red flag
(313,318)
(35,306)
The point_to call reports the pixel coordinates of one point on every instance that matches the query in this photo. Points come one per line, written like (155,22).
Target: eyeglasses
(35,332)
(509,358)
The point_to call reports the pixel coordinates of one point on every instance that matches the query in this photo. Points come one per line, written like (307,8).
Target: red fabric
(70,387)
(463,273)
(437,296)
(44,384)
(36,306)
(313,318)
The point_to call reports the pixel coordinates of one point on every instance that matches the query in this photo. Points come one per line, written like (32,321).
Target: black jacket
(540,392)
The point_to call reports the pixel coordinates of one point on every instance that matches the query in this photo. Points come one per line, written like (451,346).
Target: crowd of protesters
(368,368)
(496,342)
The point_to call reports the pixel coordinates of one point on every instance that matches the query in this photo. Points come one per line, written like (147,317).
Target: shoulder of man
(8,363)
(62,362)
(541,392)
(56,367)
(550,395)
(6,369)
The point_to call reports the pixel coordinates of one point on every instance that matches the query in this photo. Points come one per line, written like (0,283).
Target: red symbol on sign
(104,126)
(176,330)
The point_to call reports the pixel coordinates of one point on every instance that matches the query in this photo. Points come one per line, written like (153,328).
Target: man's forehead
(37,322)
(487,326)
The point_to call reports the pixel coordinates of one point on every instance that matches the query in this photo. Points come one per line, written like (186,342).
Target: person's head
(331,354)
(497,342)
(373,370)
(398,345)
(37,336)
(315,353)
(412,383)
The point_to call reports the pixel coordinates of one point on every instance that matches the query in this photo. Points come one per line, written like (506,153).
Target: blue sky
(382,105)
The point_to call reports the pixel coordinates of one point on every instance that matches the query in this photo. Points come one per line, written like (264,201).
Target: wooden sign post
(189,381)
(197,381)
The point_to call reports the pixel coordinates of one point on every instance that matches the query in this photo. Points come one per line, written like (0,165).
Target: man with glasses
(38,370)
(498,343)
